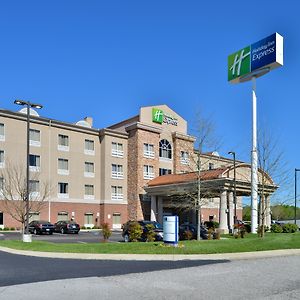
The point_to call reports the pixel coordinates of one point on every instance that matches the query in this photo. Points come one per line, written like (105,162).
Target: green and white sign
(160,117)
(256,59)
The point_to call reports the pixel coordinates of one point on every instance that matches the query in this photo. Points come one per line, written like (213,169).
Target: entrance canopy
(212,182)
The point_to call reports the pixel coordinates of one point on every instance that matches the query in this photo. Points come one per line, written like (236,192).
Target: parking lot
(83,237)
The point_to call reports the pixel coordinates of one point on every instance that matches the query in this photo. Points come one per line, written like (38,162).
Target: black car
(193,230)
(66,227)
(40,227)
(157,229)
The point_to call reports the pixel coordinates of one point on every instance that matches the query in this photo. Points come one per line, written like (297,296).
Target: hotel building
(141,168)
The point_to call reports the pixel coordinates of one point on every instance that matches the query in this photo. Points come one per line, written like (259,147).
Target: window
(184,158)
(1,218)
(117,149)
(117,171)
(62,216)
(165,150)
(116,192)
(88,219)
(63,190)
(34,163)
(63,166)
(34,188)
(89,191)
(34,216)
(2,133)
(163,171)
(148,172)
(89,169)
(89,147)
(1,183)
(1,159)
(34,137)
(211,166)
(63,142)
(148,150)
(116,221)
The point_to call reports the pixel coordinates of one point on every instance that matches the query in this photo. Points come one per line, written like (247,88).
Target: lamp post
(295,214)
(28,105)
(234,185)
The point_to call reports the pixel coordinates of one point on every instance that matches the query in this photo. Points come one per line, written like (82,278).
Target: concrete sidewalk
(165,257)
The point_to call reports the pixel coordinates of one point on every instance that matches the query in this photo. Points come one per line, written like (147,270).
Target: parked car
(193,229)
(157,229)
(40,227)
(66,227)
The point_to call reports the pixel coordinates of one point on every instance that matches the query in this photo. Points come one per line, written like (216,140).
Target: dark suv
(157,229)
(193,230)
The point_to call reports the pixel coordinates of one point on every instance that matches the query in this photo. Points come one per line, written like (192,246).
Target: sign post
(247,64)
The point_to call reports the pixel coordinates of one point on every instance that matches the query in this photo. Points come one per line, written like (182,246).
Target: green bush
(150,233)
(276,228)
(12,228)
(135,231)
(106,231)
(6,228)
(290,228)
(211,224)
(247,227)
(83,227)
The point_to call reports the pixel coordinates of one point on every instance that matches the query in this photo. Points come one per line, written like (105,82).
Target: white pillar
(231,210)
(153,208)
(268,211)
(160,210)
(254,170)
(222,213)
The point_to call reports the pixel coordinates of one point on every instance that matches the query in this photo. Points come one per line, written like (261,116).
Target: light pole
(28,105)
(295,214)
(234,185)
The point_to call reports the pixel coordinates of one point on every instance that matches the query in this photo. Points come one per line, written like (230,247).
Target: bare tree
(13,192)
(271,163)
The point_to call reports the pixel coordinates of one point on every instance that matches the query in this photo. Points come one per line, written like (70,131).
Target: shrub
(290,228)
(211,224)
(217,235)
(276,228)
(187,235)
(262,227)
(106,231)
(83,227)
(12,228)
(6,228)
(0,229)
(150,233)
(210,233)
(135,231)
(247,227)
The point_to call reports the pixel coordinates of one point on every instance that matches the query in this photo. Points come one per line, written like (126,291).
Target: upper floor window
(148,150)
(2,133)
(63,166)
(165,149)
(34,188)
(117,149)
(211,166)
(63,142)
(116,192)
(63,190)
(1,183)
(89,147)
(117,171)
(89,170)
(163,171)
(148,172)
(184,158)
(34,163)
(34,137)
(89,191)
(1,159)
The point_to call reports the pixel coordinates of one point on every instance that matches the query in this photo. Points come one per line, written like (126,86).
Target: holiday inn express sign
(256,59)
(159,116)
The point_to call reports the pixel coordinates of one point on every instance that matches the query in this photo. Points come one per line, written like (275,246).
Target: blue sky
(106,59)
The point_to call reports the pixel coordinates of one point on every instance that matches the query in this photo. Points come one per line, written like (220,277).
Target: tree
(13,192)
(271,164)
(204,131)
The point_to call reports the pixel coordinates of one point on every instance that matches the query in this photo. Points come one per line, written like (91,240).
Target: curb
(156,257)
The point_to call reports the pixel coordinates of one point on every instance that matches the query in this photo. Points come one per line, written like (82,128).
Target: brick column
(223,226)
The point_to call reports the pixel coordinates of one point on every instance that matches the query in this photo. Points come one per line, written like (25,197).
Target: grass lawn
(272,241)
